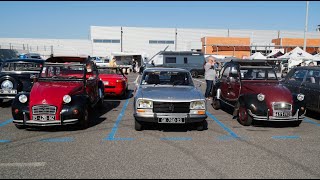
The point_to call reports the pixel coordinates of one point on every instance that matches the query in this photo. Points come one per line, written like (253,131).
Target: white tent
(257,55)
(296,56)
(316,57)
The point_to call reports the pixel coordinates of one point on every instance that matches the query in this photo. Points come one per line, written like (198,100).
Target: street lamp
(306,28)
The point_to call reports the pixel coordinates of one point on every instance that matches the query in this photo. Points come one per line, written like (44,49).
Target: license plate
(171,120)
(106,82)
(282,114)
(5,91)
(44,118)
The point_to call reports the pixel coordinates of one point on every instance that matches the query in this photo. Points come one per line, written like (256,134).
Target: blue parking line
(176,139)
(311,122)
(4,141)
(65,139)
(232,134)
(6,122)
(285,137)
(111,136)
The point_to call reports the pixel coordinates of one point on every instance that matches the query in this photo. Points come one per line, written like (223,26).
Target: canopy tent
(316,57)
(275,54)
(257,55)
(296,56)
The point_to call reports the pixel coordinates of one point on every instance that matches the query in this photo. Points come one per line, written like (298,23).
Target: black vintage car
(16,76)
(305,80)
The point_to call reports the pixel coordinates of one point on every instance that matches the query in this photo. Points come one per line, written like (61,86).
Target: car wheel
(84,121)
(296,123)
(1,100)
(194,74)
(216,104)
(125,94)
(243,117)
(138,125)
(101,101)
(202,125)
(20,126)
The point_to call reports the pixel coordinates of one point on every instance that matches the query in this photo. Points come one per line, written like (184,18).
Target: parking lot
(111,148)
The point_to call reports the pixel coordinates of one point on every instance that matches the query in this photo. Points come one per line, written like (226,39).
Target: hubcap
(242,114)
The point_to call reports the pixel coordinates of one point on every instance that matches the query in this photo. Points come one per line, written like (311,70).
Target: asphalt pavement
(111,148)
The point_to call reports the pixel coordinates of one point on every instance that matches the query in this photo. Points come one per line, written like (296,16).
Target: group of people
(210,67)
(304,64)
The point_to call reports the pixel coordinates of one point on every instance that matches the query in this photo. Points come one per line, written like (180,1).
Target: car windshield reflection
(252,73)
(174,78)
(62,72)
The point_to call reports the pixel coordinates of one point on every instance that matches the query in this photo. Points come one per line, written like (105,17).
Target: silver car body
(169,100)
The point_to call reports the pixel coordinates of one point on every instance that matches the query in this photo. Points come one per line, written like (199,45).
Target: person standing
(113,62)
(210,75)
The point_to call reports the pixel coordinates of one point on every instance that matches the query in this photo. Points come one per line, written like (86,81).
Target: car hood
(170,93)
(110,76)
(274,92)
(52,92)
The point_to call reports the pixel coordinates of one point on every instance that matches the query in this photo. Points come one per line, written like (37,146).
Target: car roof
(165,69)
(259,62)
(24,60)
(308,67)
(63,59)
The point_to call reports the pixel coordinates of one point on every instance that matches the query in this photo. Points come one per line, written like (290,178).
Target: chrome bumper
(27,122)
(153,117)
(296,117)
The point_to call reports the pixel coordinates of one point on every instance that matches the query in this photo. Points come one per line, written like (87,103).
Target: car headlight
(147,104)
(23,98)
(66,99)
(300,97)
(261,97)
(6,85)
(198,105)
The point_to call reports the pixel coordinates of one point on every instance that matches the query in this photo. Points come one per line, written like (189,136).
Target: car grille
(282,106)
(44,109)
(171,107)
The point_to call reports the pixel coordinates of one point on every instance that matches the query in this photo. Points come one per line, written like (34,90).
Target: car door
(294,79)
(224,84)
(92,85)
(311,89)
(233,83)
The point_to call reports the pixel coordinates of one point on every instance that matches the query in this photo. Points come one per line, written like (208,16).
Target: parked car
(305,80)
(114,81)
(67,88)
(168,95)
(16,76)
(252,88)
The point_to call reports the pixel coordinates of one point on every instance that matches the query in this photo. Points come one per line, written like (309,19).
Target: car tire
(101,101)
(194,74)
(125,94)
(20,126)
(243,116)
(296,123)
(216,104)
(1,101)
(84,121)
(138,125)
(202,125)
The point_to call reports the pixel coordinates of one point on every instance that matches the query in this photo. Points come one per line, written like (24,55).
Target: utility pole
(306,28)
(121,39)
(175,41)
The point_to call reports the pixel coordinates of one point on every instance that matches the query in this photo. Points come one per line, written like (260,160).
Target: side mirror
(34,77)
(234,71)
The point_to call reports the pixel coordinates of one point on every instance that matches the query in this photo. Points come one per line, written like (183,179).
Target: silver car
(168,95)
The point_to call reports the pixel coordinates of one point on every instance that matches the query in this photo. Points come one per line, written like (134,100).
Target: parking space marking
(311,122)
(64,139)
(232,134)
(33,164)
(285,137)
(176,139)
(199,81)
(6,122)
(111,136)
(4,141)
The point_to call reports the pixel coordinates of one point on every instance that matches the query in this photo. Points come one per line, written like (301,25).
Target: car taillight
(120,81)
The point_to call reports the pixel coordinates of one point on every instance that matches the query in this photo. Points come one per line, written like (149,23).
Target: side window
(313,77)
(171,60)
(234,72)
(226,72)
(298,76)
(185,60)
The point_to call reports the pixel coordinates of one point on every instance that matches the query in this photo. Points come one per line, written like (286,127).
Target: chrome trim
(276,103)
(44,109)
(272,118)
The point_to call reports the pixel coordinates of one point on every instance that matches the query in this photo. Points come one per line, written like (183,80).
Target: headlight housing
(198,105)
(66,99)
(300,97)
(6,85)
(23,98)
(261,97)
(144,104)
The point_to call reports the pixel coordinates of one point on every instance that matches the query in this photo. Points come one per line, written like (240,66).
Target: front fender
(22,108)
(251,102)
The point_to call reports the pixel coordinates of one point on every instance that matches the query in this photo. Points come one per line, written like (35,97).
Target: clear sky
(72,19)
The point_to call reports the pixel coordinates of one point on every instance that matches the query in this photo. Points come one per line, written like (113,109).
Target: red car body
(115,82)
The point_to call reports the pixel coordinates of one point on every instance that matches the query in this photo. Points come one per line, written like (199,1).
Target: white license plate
(44,117)
(171,120)
(282,114)
(5,91)
(106,82)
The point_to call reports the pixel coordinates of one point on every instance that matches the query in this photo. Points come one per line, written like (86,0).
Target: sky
(72,19)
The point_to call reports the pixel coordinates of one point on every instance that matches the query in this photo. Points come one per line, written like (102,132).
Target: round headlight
(300,97)
(66,99)
(23,98)
(6,85)
(261,97)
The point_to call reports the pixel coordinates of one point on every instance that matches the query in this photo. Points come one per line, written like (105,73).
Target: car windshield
(63,71)
(21,66)
(167,78)
(252,73)
(109,71)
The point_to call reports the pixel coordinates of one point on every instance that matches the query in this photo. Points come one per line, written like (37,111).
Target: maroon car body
(63,94)
(253,89)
